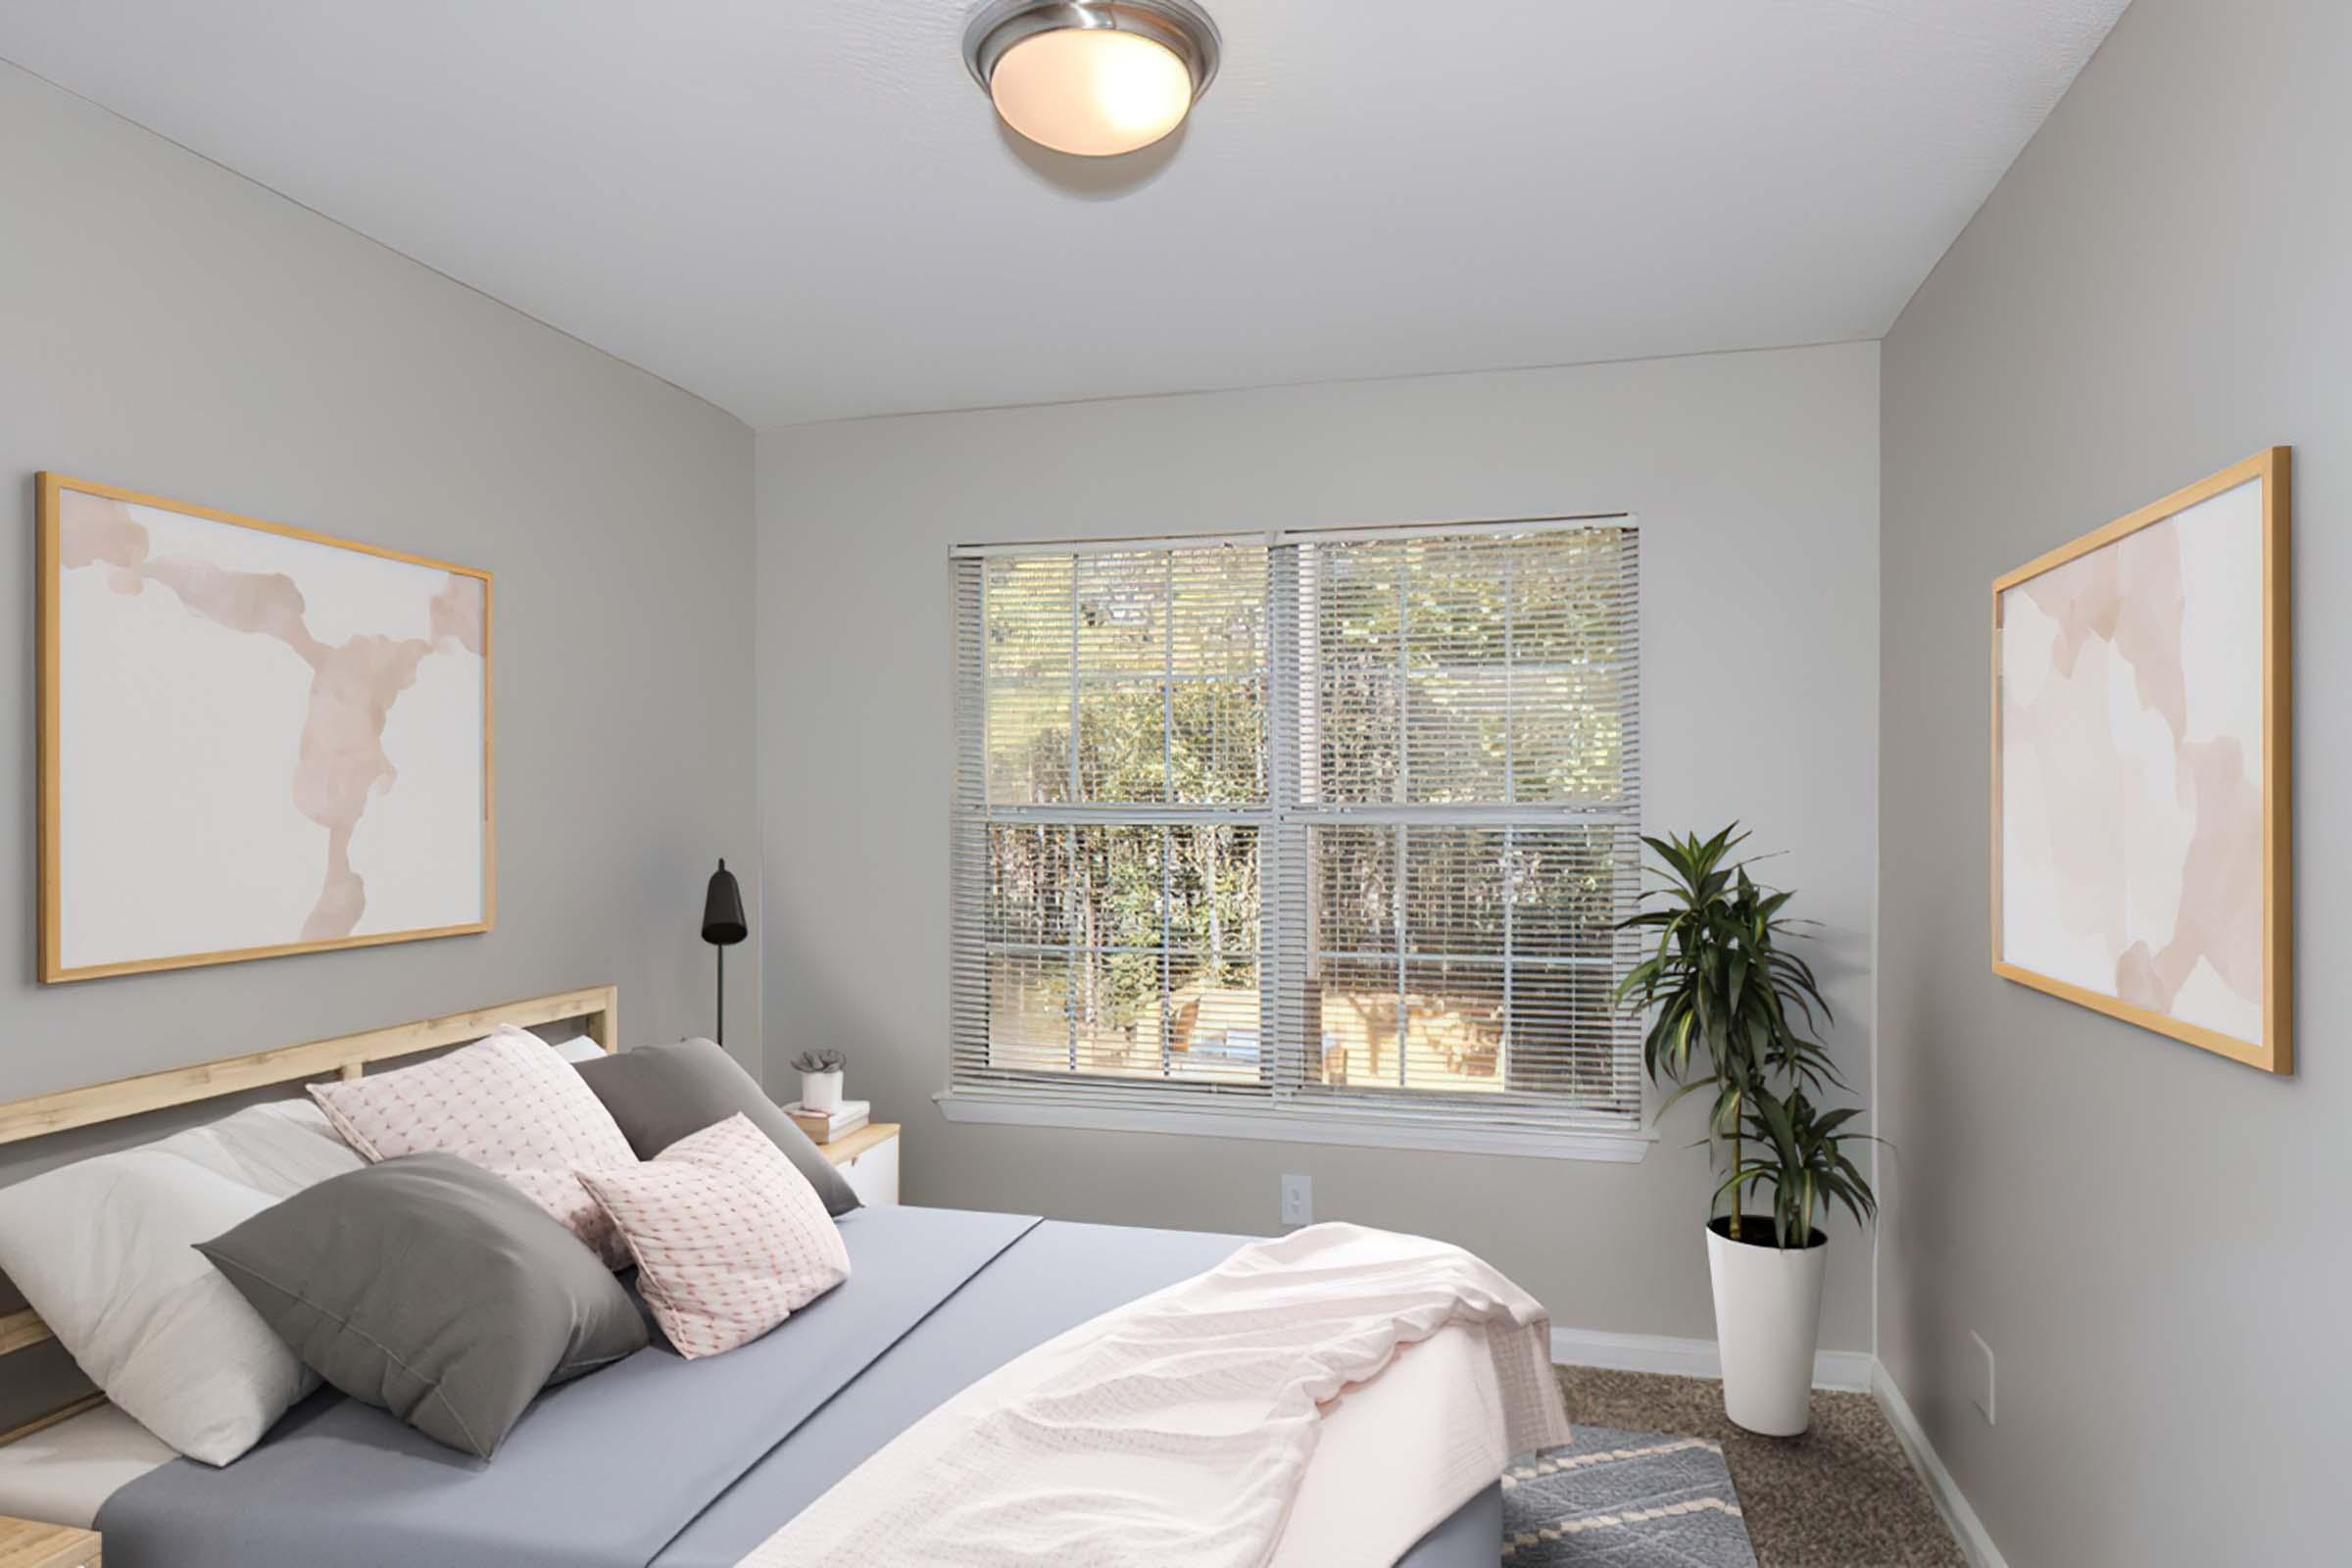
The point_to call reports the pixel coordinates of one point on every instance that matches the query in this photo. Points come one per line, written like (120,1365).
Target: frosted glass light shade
(1092,91)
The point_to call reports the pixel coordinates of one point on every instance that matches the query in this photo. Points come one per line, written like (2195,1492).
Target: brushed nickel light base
(1179,26)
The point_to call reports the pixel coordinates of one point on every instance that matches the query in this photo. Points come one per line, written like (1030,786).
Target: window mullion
(1078,956)
(1510,794)
(1077,791)
(1404,687)
(1285,904)
(1511,944)
(1402,903)
(1168,792)
(1404,797)
(1168,920)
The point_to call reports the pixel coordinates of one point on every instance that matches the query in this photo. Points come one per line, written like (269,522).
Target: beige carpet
(1841,1496)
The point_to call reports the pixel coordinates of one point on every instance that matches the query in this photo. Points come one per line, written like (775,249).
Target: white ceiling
(804,211)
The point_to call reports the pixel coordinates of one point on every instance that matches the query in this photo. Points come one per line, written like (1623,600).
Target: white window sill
(1609,1145)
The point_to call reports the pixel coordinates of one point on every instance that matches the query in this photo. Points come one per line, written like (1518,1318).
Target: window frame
(1281,1102)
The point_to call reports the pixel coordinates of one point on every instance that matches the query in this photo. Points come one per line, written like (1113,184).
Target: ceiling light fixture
(1095,77)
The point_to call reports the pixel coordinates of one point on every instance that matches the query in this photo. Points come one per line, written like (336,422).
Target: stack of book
(824,1126)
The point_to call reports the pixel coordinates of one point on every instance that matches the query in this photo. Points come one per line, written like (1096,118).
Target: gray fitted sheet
(599,1473)
(660,1462)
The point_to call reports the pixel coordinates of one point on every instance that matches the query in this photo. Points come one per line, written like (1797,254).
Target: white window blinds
(1331,825)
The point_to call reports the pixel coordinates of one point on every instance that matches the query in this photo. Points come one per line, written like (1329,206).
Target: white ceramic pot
(1767,1322)
(820,1091)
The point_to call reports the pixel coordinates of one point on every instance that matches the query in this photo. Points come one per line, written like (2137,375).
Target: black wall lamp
(722,927)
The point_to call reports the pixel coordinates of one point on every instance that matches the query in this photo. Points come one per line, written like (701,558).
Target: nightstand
(25,1544)
(867,1159)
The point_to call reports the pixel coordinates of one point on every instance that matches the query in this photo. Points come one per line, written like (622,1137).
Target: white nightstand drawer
(874,1175)
(869,1161)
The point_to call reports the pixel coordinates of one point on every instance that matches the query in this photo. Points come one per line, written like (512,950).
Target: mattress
(656,1462)
(61,1474)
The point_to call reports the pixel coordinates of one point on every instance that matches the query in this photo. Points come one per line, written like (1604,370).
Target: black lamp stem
(723,997)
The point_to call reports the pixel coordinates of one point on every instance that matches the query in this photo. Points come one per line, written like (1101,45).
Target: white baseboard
(1975,1544)
(1846,1371)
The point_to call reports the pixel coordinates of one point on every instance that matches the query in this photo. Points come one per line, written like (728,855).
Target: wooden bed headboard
(596,1009)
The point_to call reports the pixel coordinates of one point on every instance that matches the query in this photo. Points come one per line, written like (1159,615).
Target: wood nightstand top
(838,1151)
(27,1545)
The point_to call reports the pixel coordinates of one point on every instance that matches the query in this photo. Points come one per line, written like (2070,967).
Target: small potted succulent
(1736,1015)
(820,1079)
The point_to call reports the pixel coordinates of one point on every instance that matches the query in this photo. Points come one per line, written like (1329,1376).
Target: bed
(654,1462)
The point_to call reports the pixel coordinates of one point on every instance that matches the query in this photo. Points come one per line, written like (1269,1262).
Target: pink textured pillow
(509,1104)
(730,1239)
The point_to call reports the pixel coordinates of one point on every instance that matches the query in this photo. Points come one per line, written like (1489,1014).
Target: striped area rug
(1627,1499)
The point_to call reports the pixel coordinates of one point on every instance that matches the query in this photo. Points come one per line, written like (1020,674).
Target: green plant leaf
(1736,1011)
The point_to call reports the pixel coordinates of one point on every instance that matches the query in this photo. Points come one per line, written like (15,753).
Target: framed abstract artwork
(2142,855)
(255,739)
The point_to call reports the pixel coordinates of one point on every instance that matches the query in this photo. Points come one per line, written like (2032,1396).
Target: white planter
(1767,1322)
(820,1091)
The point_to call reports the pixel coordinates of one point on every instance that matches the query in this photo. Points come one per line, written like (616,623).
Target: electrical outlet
(1298,1199)
(1982,1398)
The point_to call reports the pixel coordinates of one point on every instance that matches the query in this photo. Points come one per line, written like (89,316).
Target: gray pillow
(427,1287)
(661,1093)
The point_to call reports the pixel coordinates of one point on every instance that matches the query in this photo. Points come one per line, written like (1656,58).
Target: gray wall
(2150,1236)
(1755,476)
(170,326)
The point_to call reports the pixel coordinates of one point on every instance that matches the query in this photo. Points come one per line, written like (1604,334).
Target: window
(1318,835)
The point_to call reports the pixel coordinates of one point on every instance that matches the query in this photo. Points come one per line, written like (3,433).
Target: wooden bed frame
(596,1009)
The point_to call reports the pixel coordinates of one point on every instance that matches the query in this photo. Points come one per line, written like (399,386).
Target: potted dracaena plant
(1736,1012)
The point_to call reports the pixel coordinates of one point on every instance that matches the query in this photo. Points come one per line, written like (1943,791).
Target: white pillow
(105,1250)
(579,1049)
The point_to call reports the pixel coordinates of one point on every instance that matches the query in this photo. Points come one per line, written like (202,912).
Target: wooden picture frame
(2269,1044)
(110,538)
